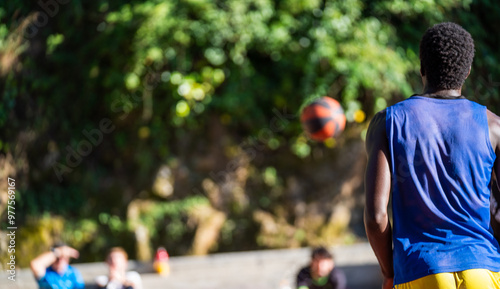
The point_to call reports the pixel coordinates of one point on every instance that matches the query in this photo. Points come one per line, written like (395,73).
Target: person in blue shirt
(52,269)
(436,153)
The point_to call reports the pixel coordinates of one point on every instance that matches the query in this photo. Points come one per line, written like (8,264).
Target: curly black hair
(321,252)
(446,53)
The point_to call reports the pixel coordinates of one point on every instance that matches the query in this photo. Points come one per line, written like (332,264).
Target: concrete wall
(269,269)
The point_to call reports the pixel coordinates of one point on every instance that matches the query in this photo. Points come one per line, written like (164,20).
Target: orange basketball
(322,119)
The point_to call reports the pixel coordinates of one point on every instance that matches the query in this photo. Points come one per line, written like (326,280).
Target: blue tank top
(441,160)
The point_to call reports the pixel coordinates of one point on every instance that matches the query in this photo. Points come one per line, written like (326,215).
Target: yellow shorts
(468,279)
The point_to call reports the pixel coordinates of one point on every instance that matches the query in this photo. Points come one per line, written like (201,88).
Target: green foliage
(36,237)
(80,233)
(181,80)
(175,212)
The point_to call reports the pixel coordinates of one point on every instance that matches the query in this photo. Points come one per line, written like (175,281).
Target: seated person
(52,269)
(118,277)
(321,272)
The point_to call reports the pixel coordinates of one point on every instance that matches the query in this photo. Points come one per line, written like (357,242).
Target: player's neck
(430,91)
(442,93)
(446,94)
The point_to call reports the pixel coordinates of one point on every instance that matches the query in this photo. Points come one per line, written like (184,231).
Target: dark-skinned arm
(494,130)
(377,192)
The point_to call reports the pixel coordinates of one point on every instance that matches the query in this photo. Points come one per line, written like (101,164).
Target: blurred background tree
(175,123)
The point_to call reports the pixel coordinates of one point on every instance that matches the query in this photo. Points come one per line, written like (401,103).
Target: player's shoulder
(493,119)
(376,136)
(494,127)
(379,118)
(381,114)
(73,273)
(337,273)
(377,124)
(304,273)
(338,278)
(72,269)
(305,270)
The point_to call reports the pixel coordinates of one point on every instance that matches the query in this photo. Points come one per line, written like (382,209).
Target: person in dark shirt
(321,272)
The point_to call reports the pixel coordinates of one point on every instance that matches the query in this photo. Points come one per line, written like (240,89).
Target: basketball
(323,118)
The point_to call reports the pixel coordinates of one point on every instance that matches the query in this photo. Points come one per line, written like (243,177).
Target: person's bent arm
(494,130)
(39,264)
(377,193)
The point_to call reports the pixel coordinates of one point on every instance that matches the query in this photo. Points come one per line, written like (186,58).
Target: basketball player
(436,151)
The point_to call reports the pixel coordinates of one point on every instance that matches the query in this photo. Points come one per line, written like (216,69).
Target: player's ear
(422,71)
(424,78)
(468,73)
